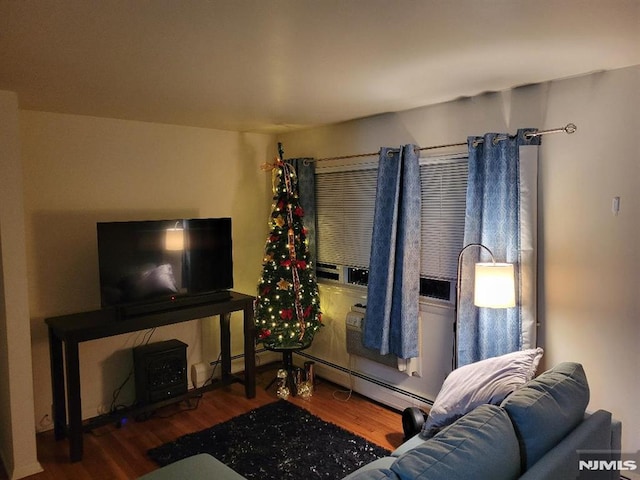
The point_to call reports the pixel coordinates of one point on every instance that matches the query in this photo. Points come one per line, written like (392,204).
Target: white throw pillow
(486,381)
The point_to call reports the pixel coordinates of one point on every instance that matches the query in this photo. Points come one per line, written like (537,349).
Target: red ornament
(286,314)
(298,211)
(302,264)
(264,333)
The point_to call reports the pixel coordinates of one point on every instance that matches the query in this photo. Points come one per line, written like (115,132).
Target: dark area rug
(278,441)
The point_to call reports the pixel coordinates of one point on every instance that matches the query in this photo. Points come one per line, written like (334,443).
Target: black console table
(72,329)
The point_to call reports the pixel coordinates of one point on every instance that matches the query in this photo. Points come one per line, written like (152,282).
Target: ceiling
(278,65)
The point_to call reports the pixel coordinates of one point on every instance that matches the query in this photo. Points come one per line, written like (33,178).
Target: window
(444,191)
(345,201)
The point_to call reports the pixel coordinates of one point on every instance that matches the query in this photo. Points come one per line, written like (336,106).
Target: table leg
(225,344)
(74,399)
(59,409)
(249,352)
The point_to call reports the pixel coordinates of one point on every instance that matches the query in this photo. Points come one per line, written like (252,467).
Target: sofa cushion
(593,434)
(376,470)
(546,409)
(410,444)
(198,467)
(486,381)
(372,474)
(481,445)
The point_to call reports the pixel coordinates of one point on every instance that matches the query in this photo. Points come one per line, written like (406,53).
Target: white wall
(589,266)
(79,170)
(17,432)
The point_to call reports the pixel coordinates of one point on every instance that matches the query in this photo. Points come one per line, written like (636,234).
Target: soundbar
(170,303)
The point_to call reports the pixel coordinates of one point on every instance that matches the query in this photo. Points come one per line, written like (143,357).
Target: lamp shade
(174,239)
(494,285)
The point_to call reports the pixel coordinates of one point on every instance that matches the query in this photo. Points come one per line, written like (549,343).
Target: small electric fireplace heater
(160,371)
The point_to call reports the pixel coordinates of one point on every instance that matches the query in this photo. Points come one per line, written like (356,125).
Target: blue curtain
(306,170)
(391,321)
(500,214)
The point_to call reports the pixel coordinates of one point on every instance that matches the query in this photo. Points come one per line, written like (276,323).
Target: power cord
(188,408)
(348,392)
(146,338)
(213,372)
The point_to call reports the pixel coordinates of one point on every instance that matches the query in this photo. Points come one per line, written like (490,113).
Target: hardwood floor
(113,453)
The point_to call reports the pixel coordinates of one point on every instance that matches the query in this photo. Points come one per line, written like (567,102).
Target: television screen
(147,261)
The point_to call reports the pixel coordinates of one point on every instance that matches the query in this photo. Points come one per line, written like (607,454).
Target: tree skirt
(278,441)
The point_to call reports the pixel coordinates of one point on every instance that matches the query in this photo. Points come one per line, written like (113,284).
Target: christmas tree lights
(287,308)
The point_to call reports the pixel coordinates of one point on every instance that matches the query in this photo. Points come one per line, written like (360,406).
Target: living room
(66,170)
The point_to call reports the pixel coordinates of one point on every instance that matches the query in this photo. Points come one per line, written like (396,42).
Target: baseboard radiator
(363,376)
(375,381)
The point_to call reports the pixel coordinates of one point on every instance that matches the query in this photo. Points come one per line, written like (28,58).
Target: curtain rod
(569,129)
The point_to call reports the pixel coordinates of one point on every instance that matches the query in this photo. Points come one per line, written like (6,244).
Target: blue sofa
(536,432)
(540,431)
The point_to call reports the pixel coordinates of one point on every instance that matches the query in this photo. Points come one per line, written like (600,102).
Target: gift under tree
(287,308)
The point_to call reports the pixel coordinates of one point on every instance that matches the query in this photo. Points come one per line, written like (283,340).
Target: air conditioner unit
(355,325)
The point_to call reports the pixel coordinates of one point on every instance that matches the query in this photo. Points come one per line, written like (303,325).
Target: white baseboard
(20,471)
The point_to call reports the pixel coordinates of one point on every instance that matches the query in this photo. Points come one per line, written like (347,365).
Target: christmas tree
(287,308)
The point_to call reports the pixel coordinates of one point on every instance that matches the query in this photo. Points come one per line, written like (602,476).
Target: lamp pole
(454,360)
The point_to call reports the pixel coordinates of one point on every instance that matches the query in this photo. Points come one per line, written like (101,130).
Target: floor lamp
(494,287)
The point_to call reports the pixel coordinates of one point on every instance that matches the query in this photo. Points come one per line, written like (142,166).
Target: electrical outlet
(615,206)
(45,423)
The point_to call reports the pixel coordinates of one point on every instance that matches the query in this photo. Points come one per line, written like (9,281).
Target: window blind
(345,203)
(444,190)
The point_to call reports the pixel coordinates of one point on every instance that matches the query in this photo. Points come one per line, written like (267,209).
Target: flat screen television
(146,262)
